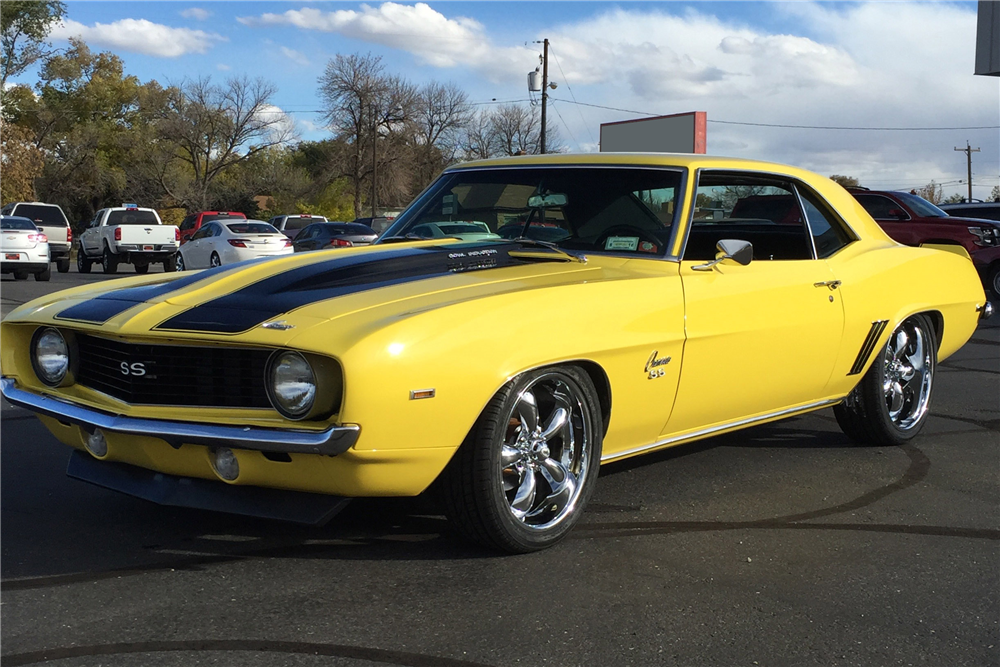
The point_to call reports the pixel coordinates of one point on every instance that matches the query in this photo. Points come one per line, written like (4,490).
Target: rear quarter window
(41,214)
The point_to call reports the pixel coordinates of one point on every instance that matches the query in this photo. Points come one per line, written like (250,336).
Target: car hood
(302,290)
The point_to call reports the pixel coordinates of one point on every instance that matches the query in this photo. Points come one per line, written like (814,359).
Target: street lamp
(380,120)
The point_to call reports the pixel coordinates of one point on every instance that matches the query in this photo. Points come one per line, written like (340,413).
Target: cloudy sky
(778,81)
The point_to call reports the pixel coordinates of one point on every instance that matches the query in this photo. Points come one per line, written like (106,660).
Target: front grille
(144,374)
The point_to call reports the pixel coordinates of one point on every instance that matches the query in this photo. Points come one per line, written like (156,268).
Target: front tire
(109,262)
(527,469)
(890,404)
(994,280)
(214,261)
(180,263)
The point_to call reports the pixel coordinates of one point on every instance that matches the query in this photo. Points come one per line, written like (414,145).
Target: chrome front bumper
(330,442)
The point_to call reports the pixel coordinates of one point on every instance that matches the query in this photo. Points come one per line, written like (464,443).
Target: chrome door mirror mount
(739,251)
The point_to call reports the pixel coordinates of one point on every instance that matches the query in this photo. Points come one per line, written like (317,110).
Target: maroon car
(912,220)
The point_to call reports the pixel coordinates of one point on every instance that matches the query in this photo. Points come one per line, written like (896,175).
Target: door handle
(832,284)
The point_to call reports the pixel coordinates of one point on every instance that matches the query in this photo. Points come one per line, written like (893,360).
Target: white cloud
(222,67)
(418,29)
(196,13)
(284,125)
(294,56)
(140,36)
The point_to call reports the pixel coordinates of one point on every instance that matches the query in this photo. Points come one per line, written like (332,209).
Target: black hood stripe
(274,296)
(102,308)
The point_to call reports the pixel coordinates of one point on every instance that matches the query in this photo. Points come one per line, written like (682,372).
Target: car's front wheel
(214,260)
(524,474)
(994,280)
(890,404)
(82,263)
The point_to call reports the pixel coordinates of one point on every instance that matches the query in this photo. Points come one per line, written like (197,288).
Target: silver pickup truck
(128,234)
(51,221)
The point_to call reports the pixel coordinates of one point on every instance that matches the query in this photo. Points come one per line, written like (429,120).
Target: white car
(24,249)
(220,242)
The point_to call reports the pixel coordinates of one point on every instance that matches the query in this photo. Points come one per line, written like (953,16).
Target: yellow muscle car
(683,296)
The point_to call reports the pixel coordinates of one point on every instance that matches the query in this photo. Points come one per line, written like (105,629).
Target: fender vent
(866,348)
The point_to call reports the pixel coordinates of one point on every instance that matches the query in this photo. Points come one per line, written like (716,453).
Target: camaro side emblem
(654,367)
(280,325)
(137,369)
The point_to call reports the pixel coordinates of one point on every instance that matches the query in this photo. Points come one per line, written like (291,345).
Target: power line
(566,81)
(796,127)
(566,125)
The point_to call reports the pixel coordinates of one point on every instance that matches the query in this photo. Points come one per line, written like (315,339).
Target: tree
(21,162)
(846,181)
(363,104)
(932,192)
(995,193)
(956,198)
(441,112)
(25,24)
(210,128)
(509,129)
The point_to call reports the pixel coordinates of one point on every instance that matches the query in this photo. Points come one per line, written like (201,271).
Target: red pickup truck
(912,220)
(193,222)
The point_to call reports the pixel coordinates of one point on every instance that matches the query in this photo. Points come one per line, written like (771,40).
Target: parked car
(379,223)
(51,221)
(913,220)
(321,235)
(291,225)
(218,243)
(466,230)
(127,234)
(193,222)
(505,372)
(25,249)
(984,210)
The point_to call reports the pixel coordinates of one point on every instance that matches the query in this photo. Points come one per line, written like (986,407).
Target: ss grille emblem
(137,369)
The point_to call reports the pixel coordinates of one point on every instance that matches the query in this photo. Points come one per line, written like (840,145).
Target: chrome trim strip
(330,442)
(723,427)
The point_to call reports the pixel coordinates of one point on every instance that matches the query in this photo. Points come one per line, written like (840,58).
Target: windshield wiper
(414,237)
(524,240)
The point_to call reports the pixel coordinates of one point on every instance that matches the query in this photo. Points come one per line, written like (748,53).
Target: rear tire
(170,264)
(109,262)
(44,275)
(62,265)
(524,474)
(890,404)
(20,275)
(82,263)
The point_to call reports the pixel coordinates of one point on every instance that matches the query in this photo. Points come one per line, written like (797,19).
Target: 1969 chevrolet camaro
(646,301)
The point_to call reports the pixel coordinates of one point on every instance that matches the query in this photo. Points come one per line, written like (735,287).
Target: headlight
(988,236)
(291,384)
(50,356)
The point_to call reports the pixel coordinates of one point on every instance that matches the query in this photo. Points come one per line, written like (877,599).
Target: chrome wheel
(907,374)
(180,262)
(215,261)
(544,456)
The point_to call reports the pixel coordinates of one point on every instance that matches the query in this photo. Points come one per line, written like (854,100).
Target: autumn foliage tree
(21,163)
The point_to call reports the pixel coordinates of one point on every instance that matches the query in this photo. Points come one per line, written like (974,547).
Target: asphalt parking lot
(780,545)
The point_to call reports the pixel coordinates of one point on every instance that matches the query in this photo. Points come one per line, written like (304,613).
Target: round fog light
(97,444)
(225,464)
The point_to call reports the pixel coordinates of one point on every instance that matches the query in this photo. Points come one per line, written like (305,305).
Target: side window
(761,209)
(188,222)
(202,233)
(96,222)
(308,233)
(879,207)
(829,232)
(7,209)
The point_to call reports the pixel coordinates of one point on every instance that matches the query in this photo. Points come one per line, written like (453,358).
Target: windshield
(921,206)
(593,209)
(10,222)
(132,216)
(251,228)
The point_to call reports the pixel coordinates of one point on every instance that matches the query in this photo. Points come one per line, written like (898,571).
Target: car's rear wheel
(214,260)
(525,472)
(890,404)
(62,265)
(82,263)
(20,275)
(45,274)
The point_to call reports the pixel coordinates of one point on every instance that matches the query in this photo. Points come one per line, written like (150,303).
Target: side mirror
(739,251)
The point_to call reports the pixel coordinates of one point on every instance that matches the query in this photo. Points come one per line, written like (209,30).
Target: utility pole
(533,87)
(968,150)
(545,86)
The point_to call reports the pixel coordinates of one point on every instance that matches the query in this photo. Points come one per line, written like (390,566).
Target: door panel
(760,338)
